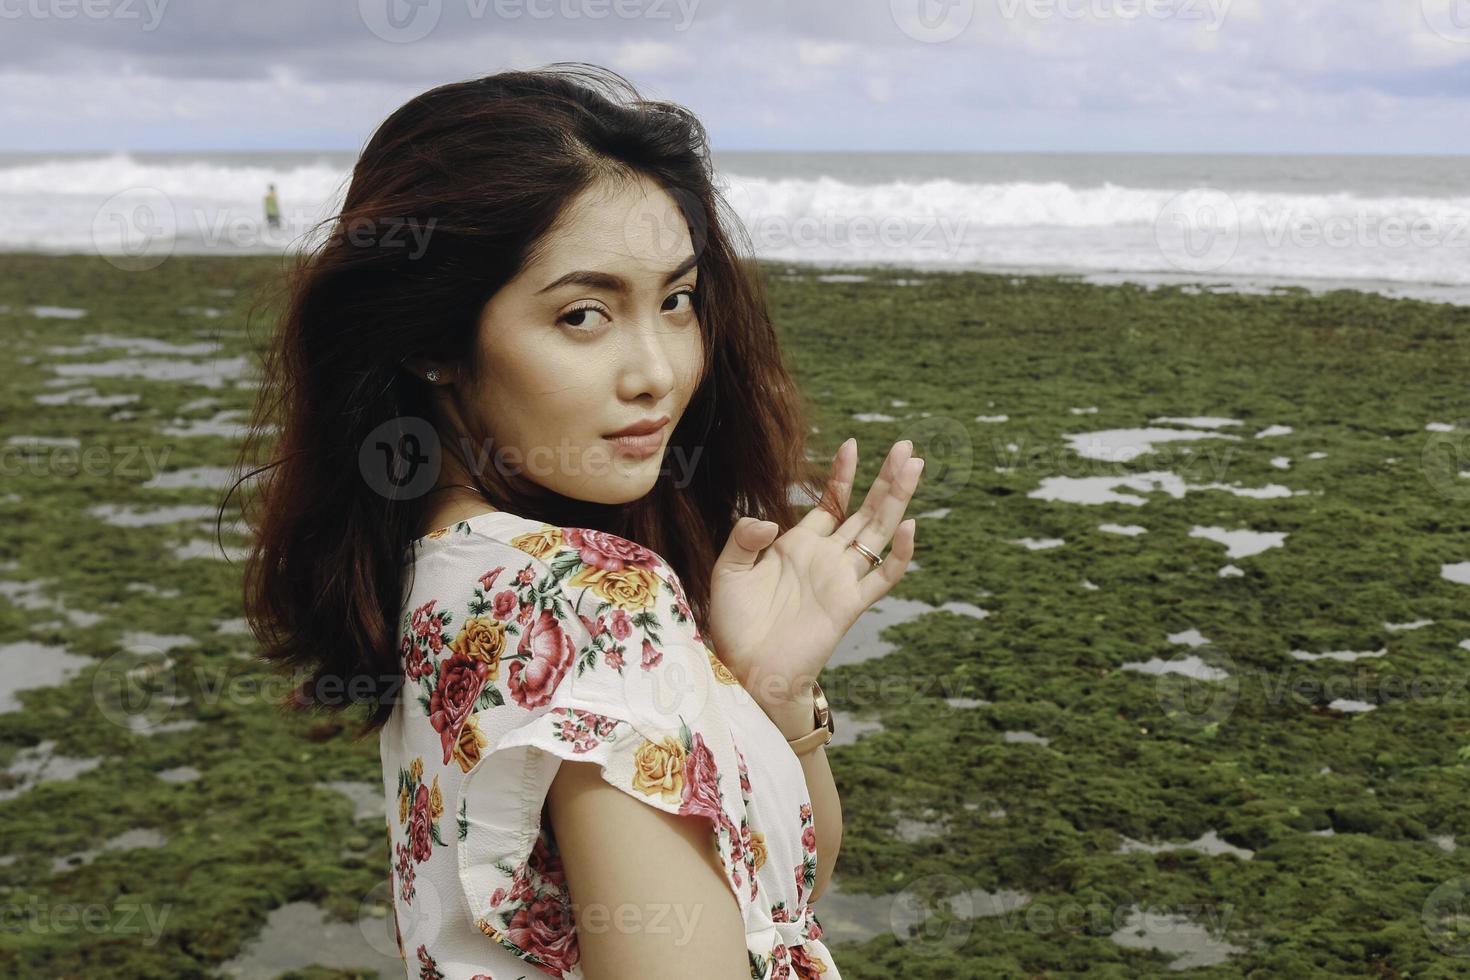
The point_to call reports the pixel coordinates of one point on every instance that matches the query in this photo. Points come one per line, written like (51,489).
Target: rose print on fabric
(546,652)
(535,913)
(584,729)
(806,871)
(419,810)
(459,676)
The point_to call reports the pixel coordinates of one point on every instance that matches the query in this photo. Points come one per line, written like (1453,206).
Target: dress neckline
(476,522)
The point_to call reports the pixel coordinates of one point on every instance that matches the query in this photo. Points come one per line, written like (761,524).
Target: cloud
(1080,74)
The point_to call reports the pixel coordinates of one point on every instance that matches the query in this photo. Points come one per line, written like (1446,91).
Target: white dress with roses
(523,644)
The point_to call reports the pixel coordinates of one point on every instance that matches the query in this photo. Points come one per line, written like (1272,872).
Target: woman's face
(595,334)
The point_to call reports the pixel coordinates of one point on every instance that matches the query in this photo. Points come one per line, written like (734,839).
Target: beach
(1178,680)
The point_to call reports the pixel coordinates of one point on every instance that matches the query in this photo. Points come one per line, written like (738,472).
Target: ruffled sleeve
(602,663)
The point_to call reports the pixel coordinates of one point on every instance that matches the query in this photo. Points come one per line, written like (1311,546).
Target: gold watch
(824,726)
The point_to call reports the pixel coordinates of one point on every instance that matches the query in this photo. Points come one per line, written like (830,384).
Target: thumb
(747,538)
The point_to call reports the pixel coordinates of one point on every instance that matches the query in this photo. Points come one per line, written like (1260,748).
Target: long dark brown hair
(486,166)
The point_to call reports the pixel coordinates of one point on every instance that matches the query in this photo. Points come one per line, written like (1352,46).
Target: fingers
(839,489)
(888,483)
(748,537)
(876,583)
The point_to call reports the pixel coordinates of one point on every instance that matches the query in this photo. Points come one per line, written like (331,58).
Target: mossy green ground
(1258,758)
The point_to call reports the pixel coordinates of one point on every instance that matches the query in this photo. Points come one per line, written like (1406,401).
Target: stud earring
(432,374)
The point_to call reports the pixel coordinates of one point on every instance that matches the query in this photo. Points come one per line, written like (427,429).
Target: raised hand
(779,605)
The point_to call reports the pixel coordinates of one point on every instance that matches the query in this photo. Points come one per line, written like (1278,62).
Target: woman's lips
(638,446)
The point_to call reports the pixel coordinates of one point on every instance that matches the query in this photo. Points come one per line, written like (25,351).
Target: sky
(1203,76)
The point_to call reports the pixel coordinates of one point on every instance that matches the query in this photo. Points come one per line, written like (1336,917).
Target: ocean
(1399,225)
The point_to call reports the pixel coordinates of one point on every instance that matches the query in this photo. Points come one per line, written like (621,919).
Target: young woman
(590,657)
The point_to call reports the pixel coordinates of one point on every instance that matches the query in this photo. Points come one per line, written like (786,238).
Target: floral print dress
(523,644)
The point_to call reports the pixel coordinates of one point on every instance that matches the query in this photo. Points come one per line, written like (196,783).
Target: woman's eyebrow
(610,282)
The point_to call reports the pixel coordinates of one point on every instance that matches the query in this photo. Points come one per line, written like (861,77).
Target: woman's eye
(687,294)
(577,318)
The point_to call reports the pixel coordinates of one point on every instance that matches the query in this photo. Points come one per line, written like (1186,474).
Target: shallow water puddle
(1093,490)
(1191,666)
(127,840)
(1350,706)
(1039,544)
(1345,656)
(229,424)
(298,934)
(1458,572)
(1125,445)
(854,917)
(192,478)
(208,548)
(1190,944)
(26,665)
(38,763)
(93,342)
(44,442)
(27,595)
(179,774)
(1404,627)
(121,516)
(862,641)
(142,641)
(848,727)
(86,397)
(1242,542)
(1190,637)
(1207,843)
(1132,530)
(210,374)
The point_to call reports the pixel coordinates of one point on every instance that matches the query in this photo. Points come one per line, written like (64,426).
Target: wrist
(791,706)
(794,717)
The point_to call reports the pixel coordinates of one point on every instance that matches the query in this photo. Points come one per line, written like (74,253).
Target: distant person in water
(272,207)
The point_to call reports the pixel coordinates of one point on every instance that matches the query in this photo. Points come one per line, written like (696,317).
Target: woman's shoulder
(562,548)
(517,605)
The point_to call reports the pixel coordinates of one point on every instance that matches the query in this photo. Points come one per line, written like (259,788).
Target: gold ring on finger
(873,560)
